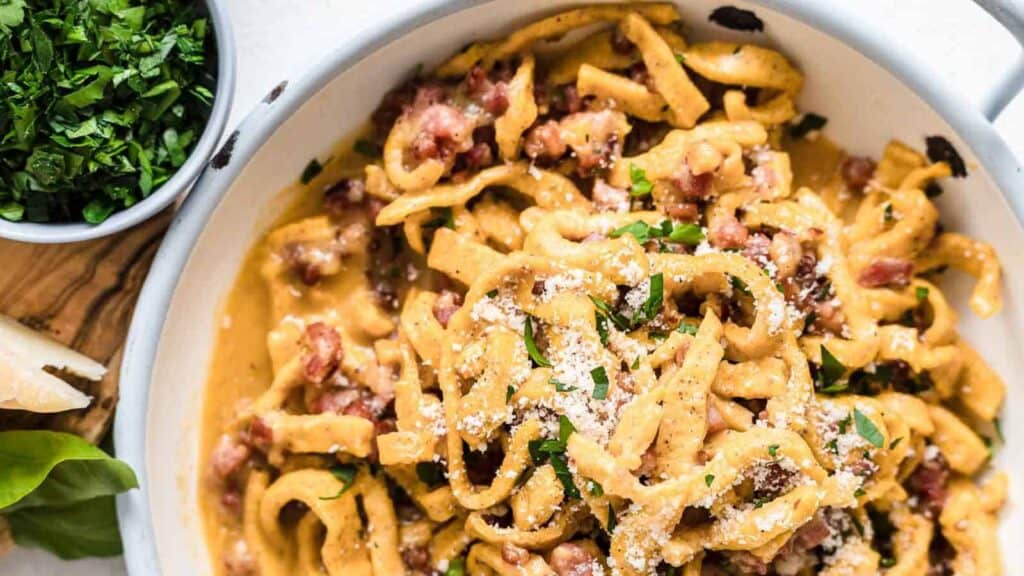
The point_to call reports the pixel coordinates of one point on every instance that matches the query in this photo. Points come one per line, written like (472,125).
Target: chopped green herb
(596,489)
(823,292)
(773,450)
(367,148)
(509,391)
(998,425)
(844,424)
(830,372)
(895,443)
(492,293)
(921,292)
(833,445)
(312,170)
(888,212)
(688,233)
(760,501)
(612,521)
(601,323)
(620,321)
(430,473)
(652,306)
(641,186)
(867,429)
(859,492)
(445,219)
(560,386)
(687,328)
(639,230)
(739,285)
(600,378)
(857,525)
(561,466)
(565,429)
(887,562)
(636,364)
(810,122)
(681,58)
(709,479)
(344,473)
(100,103)
(531,345)
(456,567)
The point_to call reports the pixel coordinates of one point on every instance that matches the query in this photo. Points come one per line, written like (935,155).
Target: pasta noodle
(589,314)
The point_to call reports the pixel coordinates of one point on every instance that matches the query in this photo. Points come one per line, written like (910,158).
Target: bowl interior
(865,104)
(222,66)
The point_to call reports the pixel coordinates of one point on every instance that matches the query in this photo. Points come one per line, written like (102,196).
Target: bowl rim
(130,425)
(183,178)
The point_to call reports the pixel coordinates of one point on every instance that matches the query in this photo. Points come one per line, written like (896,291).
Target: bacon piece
(231,500)
(260,435)
(228,456)
(446,305)
(545,141)
(758,248)
(444,131)
(620,43)
(811,534)
(746,563)
(886,271)
(928,482)
(608,198)
(638,73)
(570,559)
(323,352)
(692,186)
(417,558)
(857,171)
(492,96)
(514,555)
(344,195)
(727,232)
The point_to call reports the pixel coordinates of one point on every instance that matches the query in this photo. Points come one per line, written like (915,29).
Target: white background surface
(278,39)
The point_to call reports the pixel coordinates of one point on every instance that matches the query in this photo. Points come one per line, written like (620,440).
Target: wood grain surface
(83,295)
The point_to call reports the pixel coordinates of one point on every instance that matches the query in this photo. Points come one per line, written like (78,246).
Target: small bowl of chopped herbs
(109,110)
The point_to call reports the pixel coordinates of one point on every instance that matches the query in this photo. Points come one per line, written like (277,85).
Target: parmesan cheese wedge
(24,385)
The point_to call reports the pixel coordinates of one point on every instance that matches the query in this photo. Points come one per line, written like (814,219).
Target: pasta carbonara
(593,300)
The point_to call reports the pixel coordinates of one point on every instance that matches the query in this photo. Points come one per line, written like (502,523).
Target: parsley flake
(600,378)
(531,345)
(709,479)
(641,186)
(344,473)
(867,429)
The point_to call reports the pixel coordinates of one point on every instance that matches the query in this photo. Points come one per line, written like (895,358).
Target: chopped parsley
(312,170)
(773,450)
(641,186)
(688,233)
(680,233)
(344,473)
(601,322)
(888,212)
(565,429)
(709,479)
(681,58)
(102,102)
(867,429)
(859,492)
(509,391)
(810,122)
(830,373)
(921,293)
(600,378)
(446,219)
(531,345)
(612,520)
(739,285)
(887,562)
(620,321)
(895,443)
(687,328)
(367,148)
(596,489)
(652,305)
(456,567)
(560,386)
(492,293)
(636,364)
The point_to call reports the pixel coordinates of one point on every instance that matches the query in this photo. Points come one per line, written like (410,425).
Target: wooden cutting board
(83,295)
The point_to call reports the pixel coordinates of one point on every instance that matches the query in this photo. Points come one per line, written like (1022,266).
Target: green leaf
(601,323)
(612,520)
(690,234)
(653,304)
(92,92)
(77,530)
(12,13)
(531,345)
(42,468)
(639,230)
(921,292)
(641,186)
(596,489)
(565,429)
(509,392)
(600,377)
(709,479)
(831,371)
(12,211)
(42,50)
(560,386)
(687,328)
(773,450)
(456,567)
(98,210)
(344,473)
(867,429)
(311,171)
(620,321)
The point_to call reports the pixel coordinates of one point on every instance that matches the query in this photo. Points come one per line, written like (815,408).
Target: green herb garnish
(652,305)
(509,392)
(344,473)
(773,450)
(456,567)
(531,345)
(560,386)
(600,378)
(492,293)
(612,520)
(685,233)
(687,328)
(102,102)
(921,293)
(641,186)
(311,171)
(830,372)
(709,479)
(895,442)
(691,234)
(596,489)
(867,429)
(809,123)
(601,323)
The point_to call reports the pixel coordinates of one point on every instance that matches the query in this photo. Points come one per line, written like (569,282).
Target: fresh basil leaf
(42,468)
(77,530)
(531,345)
(867,429)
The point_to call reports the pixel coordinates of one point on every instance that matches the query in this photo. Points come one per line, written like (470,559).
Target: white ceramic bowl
(183,178)
(870,90)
